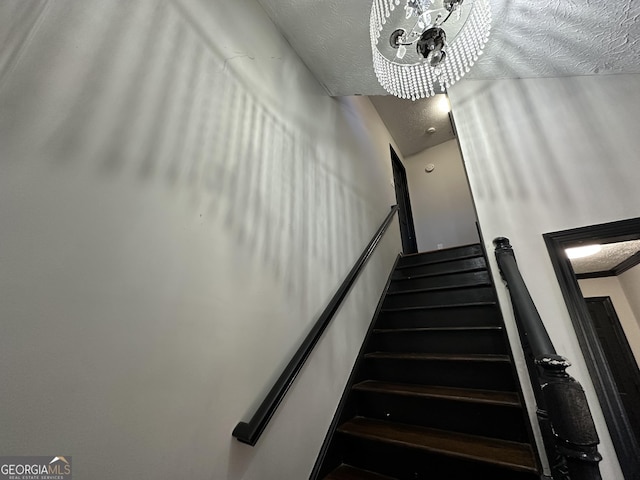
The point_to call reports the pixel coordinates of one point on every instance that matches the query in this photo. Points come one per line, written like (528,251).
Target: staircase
(434,394)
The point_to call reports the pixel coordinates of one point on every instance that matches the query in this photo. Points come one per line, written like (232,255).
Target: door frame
(618,331)
(623,438)
(409,242)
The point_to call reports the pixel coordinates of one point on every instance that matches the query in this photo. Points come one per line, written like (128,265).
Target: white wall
(441,202)
(630,283)
(612,287)
(179,199)
(546,155)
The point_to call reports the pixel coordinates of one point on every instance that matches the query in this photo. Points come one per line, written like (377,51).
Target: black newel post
(570,436)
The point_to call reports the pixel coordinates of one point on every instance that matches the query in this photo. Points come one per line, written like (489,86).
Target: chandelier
(428,45)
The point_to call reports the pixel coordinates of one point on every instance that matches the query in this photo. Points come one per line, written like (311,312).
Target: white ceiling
(530,38)
(610,256)
(409,121)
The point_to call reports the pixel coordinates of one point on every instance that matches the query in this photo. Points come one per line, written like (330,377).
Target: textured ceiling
(530,38)
(540,38)
(409,121)
(611,255)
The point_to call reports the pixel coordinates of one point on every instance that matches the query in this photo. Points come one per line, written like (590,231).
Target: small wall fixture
(430,168)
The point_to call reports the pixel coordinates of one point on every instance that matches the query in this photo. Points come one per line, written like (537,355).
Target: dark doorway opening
(619,356)
(407,229)
(618,422)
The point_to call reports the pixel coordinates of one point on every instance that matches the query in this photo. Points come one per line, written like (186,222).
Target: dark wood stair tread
(453,247)
(514,455)
(438,329)
(347,472)
(436,307)
(491,397)
(441,274)
(461,286)
(455,357)
(439,260)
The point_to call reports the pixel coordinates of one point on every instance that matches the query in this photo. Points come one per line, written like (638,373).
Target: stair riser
(440,268)
(471,341)
(483,375)
(457,279)
(441,255)
(445,297)
(413,464)
(459,416)
(445,317)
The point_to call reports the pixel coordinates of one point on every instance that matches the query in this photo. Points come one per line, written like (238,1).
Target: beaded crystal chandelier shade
(421,47)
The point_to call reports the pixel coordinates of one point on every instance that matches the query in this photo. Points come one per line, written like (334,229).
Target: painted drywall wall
(546,155)
(630,283)
(612,287)
(179,199)
(441,202)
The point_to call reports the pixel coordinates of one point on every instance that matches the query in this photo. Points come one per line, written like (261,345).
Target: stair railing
(566,424)
(249,432)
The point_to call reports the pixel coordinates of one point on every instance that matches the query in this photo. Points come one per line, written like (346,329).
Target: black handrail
(567,427)
(249,432)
